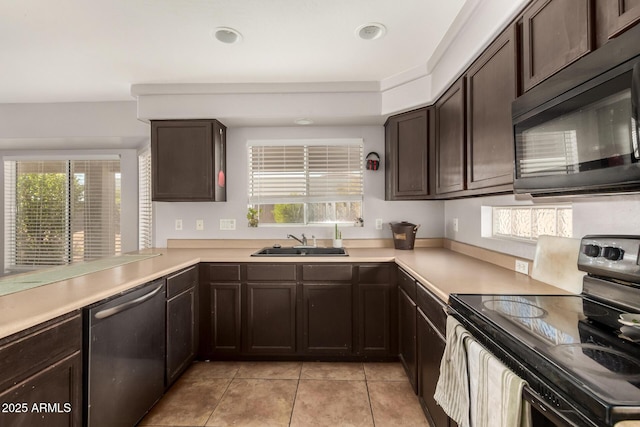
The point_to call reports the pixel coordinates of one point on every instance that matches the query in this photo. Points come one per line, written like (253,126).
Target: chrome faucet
(302,241)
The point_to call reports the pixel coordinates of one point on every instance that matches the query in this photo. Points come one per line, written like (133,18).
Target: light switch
(199,224)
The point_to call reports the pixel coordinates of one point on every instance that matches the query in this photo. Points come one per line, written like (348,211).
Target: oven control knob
(591,250)
(612,254)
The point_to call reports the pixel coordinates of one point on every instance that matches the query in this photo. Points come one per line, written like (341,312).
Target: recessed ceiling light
(371,31)
(303,121)
(227,35)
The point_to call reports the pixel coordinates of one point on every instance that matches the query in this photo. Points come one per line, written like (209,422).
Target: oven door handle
(635,109)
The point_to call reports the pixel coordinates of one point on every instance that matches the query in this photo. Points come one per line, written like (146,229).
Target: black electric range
(581,363)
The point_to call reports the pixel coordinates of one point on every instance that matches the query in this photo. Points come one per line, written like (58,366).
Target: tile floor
(289,394)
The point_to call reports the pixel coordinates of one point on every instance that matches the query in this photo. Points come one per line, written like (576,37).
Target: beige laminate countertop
(441,270)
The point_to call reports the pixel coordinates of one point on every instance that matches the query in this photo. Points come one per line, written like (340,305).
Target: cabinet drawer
(23,354)
(407,283)
(271,272)
(181,281)
(375,273)
(323,273)
(222,272)
(432,307)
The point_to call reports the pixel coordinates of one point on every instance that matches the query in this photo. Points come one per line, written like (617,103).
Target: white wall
(594,215)
(427,213)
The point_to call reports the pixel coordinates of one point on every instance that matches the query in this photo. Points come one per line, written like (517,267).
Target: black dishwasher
(124,356)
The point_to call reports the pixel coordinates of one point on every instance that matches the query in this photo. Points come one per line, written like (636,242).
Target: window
(529,222)
(306,182)
(60,211)
(145,213)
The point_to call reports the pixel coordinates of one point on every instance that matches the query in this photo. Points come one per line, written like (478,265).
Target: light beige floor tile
(332,371)
(256,403)
(211,370)
(331,403)
(384,372)
(270,370)
(188,403)
(394,404)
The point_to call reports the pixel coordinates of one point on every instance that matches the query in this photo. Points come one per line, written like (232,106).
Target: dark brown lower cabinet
(182,322)
(220,311)
(407,312)
(430,350)
(41,382)
(311,311)
(377,314)
(327,317)
(376,323)
(225,321)
(271,318)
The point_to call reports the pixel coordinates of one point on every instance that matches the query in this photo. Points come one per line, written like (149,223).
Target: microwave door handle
(635,110)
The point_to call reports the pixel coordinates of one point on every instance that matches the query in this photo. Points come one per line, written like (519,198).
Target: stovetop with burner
(572,349)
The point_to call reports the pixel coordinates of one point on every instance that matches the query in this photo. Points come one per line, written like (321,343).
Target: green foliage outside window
(41,216)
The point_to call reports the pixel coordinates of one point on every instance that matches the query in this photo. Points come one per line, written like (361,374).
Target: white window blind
(145,212)
(547,153)
(313,181)
(61,211)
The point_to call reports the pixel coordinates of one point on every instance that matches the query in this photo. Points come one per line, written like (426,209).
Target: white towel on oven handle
(452,389)
(495,392)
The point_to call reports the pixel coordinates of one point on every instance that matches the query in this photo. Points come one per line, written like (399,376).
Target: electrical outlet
(227,224)
(178,224)
(378,223)
(199,224)
(522,266)
(455,225)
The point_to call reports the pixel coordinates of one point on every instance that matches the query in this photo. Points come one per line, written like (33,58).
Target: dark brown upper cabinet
(406,156)
(623,14)
(555,34)
(187,158)
(450,139)
(491,88)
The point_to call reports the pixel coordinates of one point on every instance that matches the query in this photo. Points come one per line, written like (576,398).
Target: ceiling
(78,50)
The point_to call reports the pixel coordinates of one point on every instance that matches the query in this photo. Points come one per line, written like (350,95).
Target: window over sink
(306,181)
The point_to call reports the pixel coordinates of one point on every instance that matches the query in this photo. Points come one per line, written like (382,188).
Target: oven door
(584,140)
(551,410)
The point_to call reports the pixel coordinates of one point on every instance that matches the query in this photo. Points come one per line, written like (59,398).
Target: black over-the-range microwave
(579,131)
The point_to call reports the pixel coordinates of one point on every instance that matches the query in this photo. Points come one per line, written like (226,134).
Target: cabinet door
(58,387)
(407,336)
(406,156)
(271,318)
(375,323)
(327,319)
(181,333)
(450,136)
(622,15)
(491,88)
(186,157)
(555,34)
(430,350)
(224,324)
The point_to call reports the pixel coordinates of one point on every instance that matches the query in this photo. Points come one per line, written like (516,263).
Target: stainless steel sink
(302,251)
